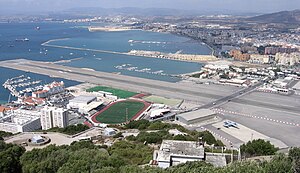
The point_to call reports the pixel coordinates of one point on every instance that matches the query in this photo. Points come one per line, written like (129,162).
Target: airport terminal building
(195,116)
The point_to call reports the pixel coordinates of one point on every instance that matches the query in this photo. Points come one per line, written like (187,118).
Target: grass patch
(116,113)
(117,92)
(162,100)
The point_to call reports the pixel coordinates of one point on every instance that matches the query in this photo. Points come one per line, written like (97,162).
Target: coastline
(110,29)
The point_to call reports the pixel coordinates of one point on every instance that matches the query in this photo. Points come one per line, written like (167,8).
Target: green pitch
(116,113)
(117,92)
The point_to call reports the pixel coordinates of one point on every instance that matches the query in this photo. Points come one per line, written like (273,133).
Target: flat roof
(179,148)
(196,114)
(92,106)
(297,86)
(82,99)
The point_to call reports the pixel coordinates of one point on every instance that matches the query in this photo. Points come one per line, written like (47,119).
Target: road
(245,101)
(231,97)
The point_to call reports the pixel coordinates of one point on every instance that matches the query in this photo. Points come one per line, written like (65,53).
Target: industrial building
(53,117)
(174,152)
(20,120)
(195,116)
(84,103)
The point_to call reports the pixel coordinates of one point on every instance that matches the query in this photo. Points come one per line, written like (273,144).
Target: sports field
(116,113)
(117,92)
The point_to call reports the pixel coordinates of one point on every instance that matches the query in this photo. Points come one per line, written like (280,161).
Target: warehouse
(195,116)
(80,101)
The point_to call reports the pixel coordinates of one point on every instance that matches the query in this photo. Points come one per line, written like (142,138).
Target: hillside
(288,17)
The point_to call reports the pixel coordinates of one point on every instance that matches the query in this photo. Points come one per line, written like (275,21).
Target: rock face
(291,17)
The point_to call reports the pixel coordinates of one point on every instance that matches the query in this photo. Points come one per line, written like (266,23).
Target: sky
(246,6)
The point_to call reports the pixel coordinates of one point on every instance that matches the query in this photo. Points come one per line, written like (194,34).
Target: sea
(76,35)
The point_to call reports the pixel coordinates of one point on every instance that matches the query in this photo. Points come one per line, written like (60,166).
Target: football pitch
(116,113)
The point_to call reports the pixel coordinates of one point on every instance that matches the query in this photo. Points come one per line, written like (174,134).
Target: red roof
(40,92)
(3,109)
(33,100)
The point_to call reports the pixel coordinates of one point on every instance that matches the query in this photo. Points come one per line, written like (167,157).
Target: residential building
(239,56)
(53,117)
(20,120)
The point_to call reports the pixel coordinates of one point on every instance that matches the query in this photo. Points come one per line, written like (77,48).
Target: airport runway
(271,106)
(200,94)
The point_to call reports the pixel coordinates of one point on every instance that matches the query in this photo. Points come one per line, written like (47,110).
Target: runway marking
(281,111)
(223,111)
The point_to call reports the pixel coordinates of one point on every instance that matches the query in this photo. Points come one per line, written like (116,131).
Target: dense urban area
(239,112)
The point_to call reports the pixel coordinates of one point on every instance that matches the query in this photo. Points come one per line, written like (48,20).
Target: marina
(82,50)
(129,67)
(22,85)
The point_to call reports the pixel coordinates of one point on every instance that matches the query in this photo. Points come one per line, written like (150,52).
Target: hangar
(195,116)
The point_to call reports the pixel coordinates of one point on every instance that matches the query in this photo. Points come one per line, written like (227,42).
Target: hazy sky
(261,6)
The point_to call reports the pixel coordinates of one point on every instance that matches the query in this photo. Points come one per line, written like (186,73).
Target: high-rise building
(20,121)
(53,117)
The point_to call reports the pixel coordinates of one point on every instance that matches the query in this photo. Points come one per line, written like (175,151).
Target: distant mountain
(288,17)
(148,11)
(131,11)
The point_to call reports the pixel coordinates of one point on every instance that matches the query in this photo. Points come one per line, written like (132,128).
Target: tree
(294,155)
(158,125)
(140,124)
(70,130)
(183,138)
(10,158)
(4,134)
(131,153)
(258,147)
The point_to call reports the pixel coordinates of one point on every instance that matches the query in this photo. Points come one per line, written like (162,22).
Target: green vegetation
(116,114)
(81,157)
(10,158)
(162,100)
(5,134)
(131,153)
(69,130)
(123,157)
(117,92)
(157,137)
(258,147)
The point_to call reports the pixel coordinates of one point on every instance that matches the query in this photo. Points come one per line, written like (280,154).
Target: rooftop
(196,114)
(82,99)
(180,148)
(297,86)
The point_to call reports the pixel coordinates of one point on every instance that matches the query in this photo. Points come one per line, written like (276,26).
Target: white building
(174,152)
(287,59)
(49,89)
(53,117)
(109,131)
(20,121)
(259,59)
(80,101)
(84,104)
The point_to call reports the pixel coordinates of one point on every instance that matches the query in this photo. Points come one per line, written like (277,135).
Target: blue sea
(78,36)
